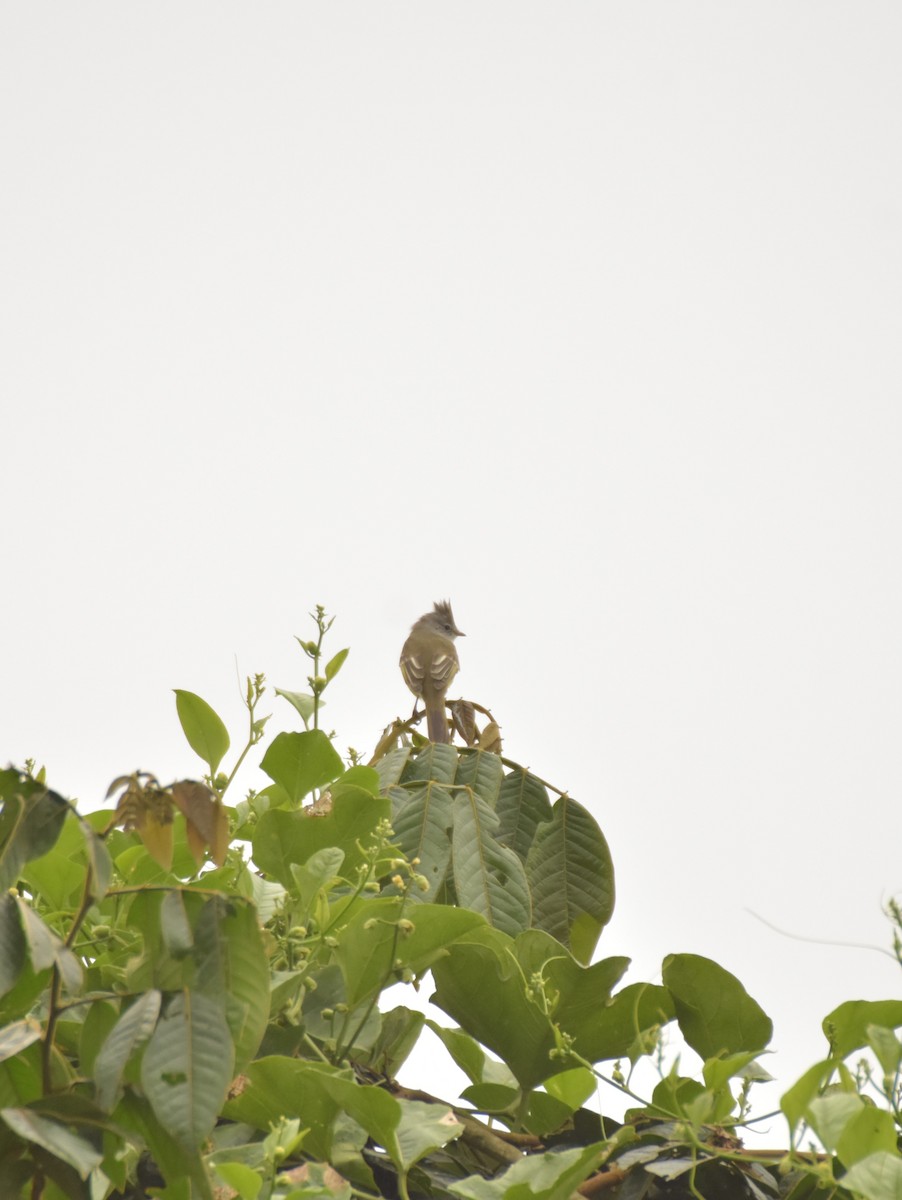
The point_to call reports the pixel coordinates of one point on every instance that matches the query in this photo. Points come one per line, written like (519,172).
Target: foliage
(192,993)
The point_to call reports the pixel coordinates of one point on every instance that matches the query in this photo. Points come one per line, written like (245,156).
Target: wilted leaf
(208,821)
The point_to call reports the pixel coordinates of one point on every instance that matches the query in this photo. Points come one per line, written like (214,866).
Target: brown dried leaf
(207,822)
(157,838)
(463,714)
(490,738)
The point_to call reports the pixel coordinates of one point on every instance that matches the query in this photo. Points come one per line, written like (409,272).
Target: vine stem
(56,983)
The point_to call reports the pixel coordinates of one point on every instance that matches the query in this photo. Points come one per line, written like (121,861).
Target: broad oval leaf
(715,1013)
(300,762)
(207,735)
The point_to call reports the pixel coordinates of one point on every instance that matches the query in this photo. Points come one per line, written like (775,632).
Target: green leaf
(282,838)
(12,943)
(466,1051)
(334,665)
(391,768)
(846,1027)
(98,860)
(573,1087)
(207,735)
(278,1086)
(437,761)
(18,1035)
(46,949)
(571,877)
(241,1178)
(398,1035)
(872,1130)
(878,1177)
(483,772)
(488,877)
(423,1128)
(187,1066)
(177,1164)
(30,823)
(887,1048)
(302,702)
(54,1138)
(300,762)
(522,806)
(795,1101)
(830,1116)
(132,1030)
(100,1020)
(422,829)
(716,1014)
(357,777)
(318,873)
(232,965)
(554,1175)
(174,925)
(372,947)
(480,984)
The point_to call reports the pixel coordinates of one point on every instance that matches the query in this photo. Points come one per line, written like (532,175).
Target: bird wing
(414,672)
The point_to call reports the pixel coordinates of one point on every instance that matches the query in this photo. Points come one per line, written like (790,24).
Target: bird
(429,662)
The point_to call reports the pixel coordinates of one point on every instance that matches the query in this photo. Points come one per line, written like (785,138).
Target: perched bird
(429,662)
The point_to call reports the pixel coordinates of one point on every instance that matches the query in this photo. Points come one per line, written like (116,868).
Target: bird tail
(436,724)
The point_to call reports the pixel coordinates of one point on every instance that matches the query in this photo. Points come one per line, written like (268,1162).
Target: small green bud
(405,927)
(331,942)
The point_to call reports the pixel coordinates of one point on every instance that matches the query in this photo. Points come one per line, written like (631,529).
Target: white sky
(584,315)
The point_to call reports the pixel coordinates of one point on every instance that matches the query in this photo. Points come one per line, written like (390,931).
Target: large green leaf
(279,1087)
(522,806)
(282,838)
(132,1030)
(12,943)
(30,823)
(422,830)
(480,984)
(716,1014)
(207,735)
(846,1027)
(877,1177)
(436,761)
(407,1129)
(372,946)
(571,877)
(187,1066)
(488,877)
(483,772)
(300,762)
(232,965)
(55,1138)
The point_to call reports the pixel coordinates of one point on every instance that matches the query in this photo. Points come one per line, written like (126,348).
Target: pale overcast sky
(584,315)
